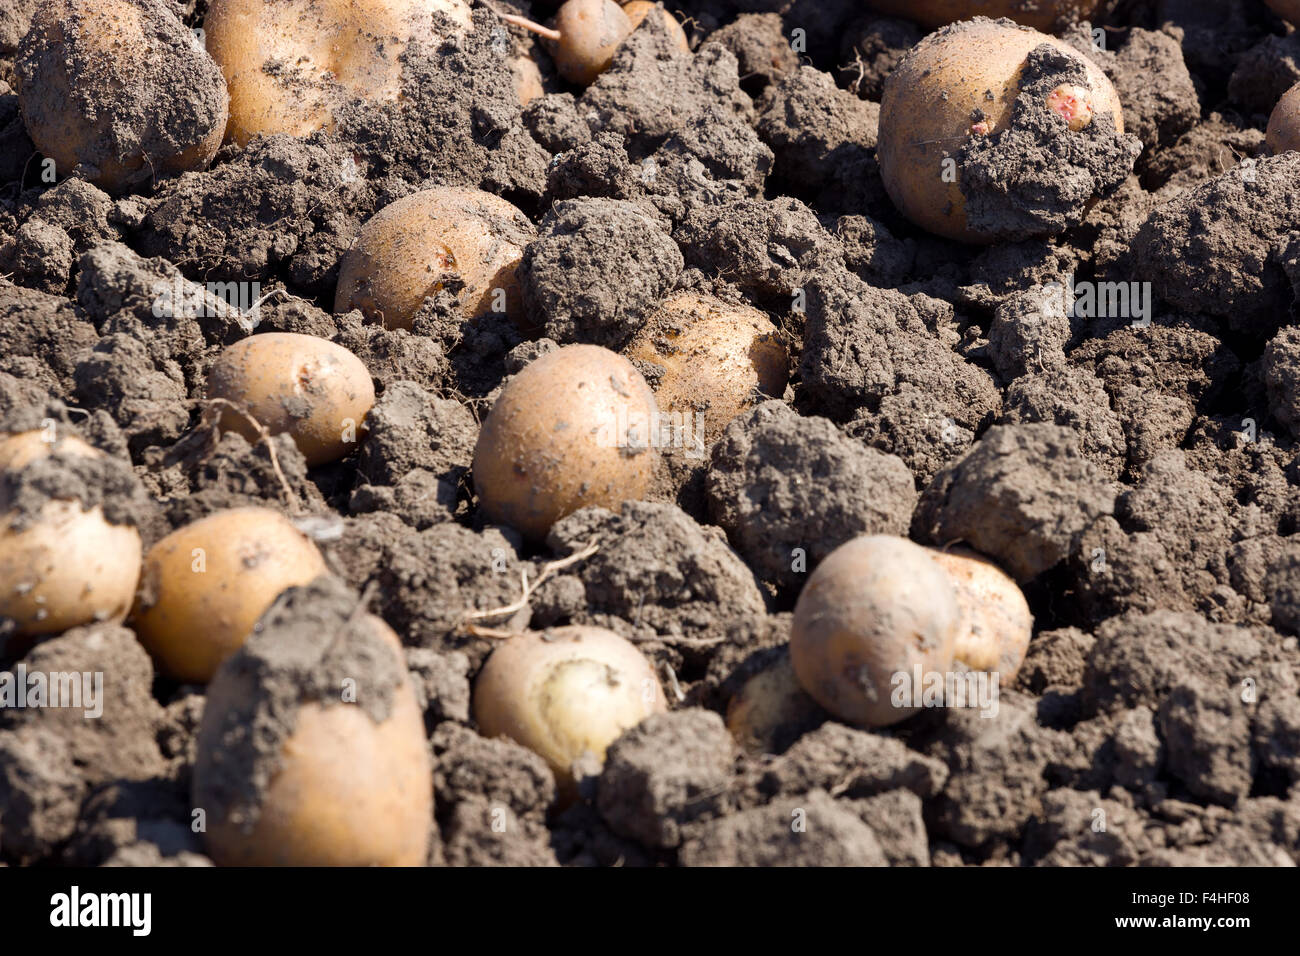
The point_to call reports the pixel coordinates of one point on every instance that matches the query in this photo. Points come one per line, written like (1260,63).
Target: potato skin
(325,52)
(96,85)
(70,567)
(550,444)
(638,10)
(407,245)
(996,621)
(564,692)
(1283,132)
(189,620)
(926,111)
(348,792)
(591,32)
(306,386)
(1043,15)
(877,606)
(716,355)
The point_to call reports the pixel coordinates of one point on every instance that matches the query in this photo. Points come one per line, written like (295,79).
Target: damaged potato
(996,621)
(65,565)
(206,584)
(964,109)
(877,607)
(292,63)
(414,247)
(570,431)
(1046,15)
(118,92)
(315,391)
(339,773)
(566,694)
(717,358)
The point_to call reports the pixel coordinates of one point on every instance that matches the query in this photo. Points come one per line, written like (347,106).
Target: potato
(408,249)
(570,431)
(718,359)
(638,10)
(67,565)
(996,621)
(876,607)
(771,709)
(338,782)
(317,392)
(1283,132)
(565,693)
(118,90)
(206,584)
(1040,14)
(292,63)
(528,78)
(590,32)
(931,102)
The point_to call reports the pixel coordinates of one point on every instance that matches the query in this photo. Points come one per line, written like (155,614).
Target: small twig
(532,26)
(528,587)
(214,403)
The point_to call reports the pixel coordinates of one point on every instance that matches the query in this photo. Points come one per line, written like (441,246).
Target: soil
(1139,479)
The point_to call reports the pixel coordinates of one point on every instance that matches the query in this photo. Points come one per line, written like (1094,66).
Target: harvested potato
(317,392)
(771,709)
(638,10)
(118,91)
(528,78)
(584,39)
(996,621)
(339,771)
(877,607)
(1284,124)
(1044,15)
(570,431)
(292,63)
(961,150)
(62,564)
(565,694)
(410,249)
(206,584)
(718,359)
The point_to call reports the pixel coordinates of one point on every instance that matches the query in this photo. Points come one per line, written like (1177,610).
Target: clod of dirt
(1265,72)
(1281,373)
(283,206)
(303,650)
(854,763)
(415,456)
(146,822)
(652,87)
(1207,739)
(824,140)
(761,48)
(657,576)
(441,684)
(1230,264)
(1160,99)
(810,830)
(1028,180)
(596,270)
(871,361)
(870,49)
(1076,399)
(119,92)
(785,486)
(41,790)
(665,776)
(1024,495)
(46,332)
(110,670)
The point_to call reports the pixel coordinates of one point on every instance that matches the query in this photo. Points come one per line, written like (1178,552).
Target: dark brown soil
(1140,480)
